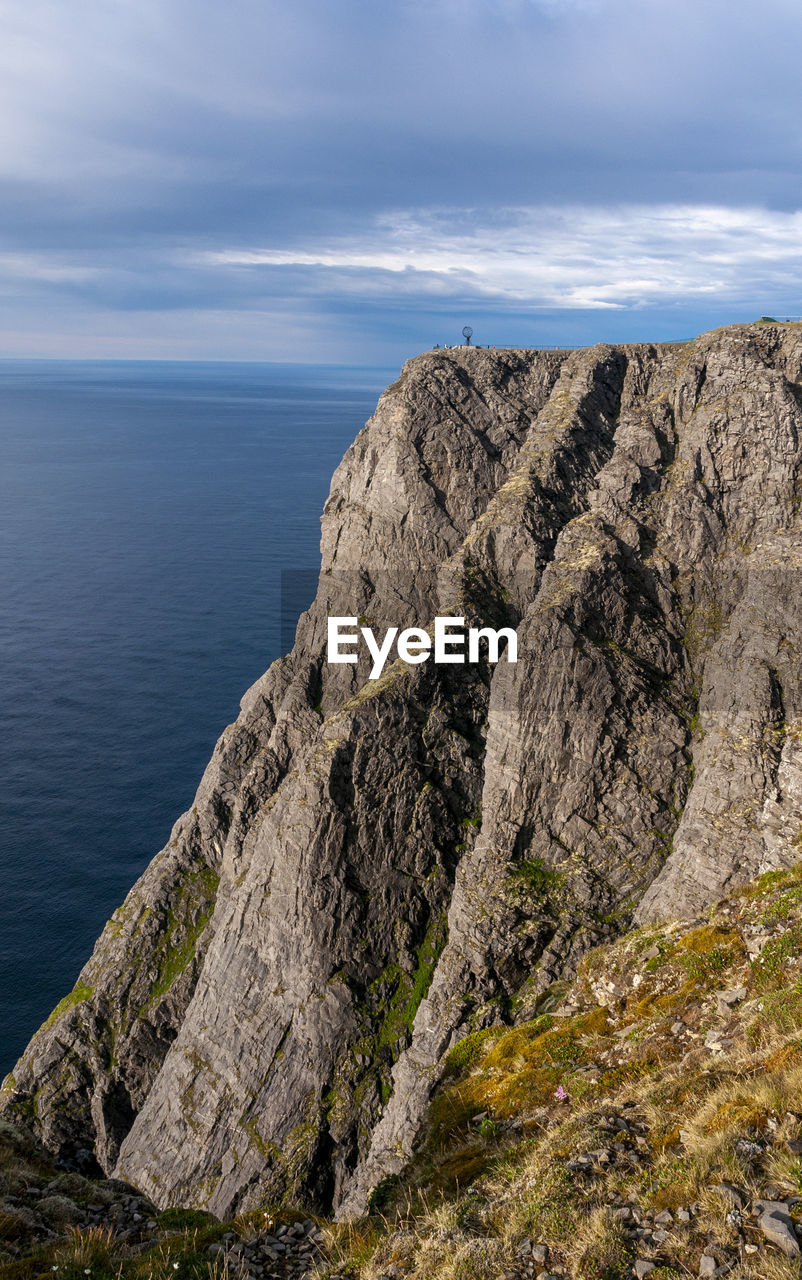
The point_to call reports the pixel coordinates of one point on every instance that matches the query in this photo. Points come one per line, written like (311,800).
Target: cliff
(373,869)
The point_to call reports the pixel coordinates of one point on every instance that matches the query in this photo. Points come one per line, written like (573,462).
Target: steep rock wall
(373,868)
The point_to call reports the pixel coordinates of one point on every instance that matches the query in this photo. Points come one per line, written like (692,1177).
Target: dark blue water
(147,512)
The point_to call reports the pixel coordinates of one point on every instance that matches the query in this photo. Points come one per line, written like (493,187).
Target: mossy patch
(534,876)
(182,1219)
(181,931)
(735,1115)
(79,995)
(460,1169)
(509,1073)
(407,991)
(467,1052)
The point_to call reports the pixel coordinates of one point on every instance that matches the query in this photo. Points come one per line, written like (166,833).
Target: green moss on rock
(79,994)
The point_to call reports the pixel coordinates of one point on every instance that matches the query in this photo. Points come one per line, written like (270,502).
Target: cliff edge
(373,869)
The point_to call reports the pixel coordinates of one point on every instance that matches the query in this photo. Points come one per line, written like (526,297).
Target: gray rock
(643,1268)
(748,1149)
(777,1226)
(716,1042)
(707,1265)
(730,998)
(731,1194)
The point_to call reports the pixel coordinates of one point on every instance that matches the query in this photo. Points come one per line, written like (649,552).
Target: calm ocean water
(147,512)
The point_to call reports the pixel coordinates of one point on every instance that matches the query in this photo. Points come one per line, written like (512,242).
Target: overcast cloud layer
(353,181)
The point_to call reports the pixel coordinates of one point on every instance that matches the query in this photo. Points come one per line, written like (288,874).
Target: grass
(79,994)
(93,1249)
(535,876)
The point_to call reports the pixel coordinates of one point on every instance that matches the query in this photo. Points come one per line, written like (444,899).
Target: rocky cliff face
(372,869)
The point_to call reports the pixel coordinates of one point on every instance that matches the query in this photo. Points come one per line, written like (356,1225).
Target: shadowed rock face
(373,869)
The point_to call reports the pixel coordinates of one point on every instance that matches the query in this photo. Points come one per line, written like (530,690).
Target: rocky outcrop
(374,868)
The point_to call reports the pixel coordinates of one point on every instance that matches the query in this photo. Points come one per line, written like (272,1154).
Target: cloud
(143,105)
(559,257)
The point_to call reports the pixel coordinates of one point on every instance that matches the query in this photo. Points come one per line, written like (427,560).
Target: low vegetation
(640,1124)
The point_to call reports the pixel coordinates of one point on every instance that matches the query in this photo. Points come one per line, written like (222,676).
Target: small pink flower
(560,1094)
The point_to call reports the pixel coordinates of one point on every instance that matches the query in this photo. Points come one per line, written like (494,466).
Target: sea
(159,535)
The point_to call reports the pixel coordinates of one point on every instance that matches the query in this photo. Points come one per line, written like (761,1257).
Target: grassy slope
(673,1089)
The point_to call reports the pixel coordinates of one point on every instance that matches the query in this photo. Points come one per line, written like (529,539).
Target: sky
(352,181)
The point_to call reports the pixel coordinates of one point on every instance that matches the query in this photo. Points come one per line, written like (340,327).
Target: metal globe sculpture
(467,334)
